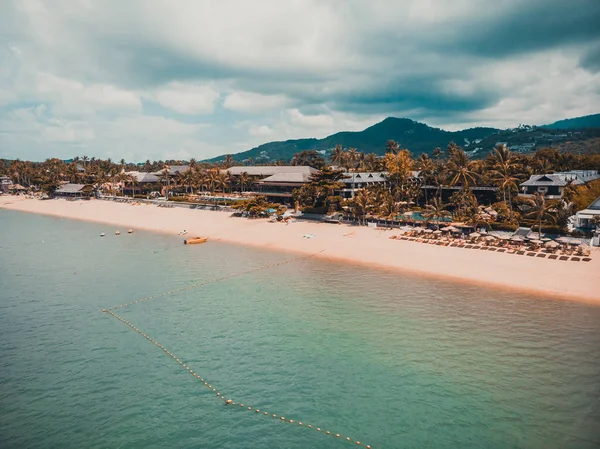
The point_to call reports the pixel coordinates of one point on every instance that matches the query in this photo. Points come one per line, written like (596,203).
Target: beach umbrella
(490,237)
(428,231)
(562,240)
(516,238)
(437,232)
(536,242)
(551,244)
(474,235)
(546,239)
(447,228)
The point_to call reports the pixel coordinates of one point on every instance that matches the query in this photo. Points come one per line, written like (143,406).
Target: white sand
(558,279)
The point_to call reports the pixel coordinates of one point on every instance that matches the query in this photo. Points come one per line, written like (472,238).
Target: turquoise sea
(391,360)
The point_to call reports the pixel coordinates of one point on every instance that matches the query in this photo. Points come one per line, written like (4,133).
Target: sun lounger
(563,258)
(586,259)
(575,259)
(553,256)
(520,253)
(541,255)
(531,254)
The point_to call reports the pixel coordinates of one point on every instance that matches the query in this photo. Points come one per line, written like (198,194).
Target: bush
(547,229)
(314,210)
(503,226)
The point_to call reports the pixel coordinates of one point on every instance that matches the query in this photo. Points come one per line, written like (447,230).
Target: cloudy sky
(153,79)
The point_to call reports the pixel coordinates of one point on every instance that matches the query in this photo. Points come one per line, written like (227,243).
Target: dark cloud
(529,26)
(591,59)
(423,99)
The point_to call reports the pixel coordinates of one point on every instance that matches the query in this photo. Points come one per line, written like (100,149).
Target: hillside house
(553,185)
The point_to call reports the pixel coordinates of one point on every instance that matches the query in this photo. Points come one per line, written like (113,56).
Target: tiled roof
(144,177)
(287,177)
(173,170)
(70,188)
(595,205)
(358,177)
(269,170)
(577,177)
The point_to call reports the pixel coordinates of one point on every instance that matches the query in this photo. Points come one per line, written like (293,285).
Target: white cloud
(187,98)
(260,131)
(253,103)
(318,121)
(71,97)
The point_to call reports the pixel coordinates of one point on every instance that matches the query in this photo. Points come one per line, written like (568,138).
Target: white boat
(102,234)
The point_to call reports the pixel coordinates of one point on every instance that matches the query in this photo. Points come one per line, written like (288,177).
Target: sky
(165,79)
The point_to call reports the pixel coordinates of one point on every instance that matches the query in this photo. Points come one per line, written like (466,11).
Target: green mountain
(417,137)
(587,121)
(420,138)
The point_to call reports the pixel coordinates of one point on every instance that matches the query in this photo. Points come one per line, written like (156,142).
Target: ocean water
(390,360)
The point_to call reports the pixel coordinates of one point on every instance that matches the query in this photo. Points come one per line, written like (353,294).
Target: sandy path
(569,280)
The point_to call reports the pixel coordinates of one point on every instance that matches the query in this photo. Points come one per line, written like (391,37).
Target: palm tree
(201,181)
(399,166)
(223,181)
(165,178)
(228,161)
(461,168)
(392,146)
(426,167)
(504,179)
(212,178)
(436,210)
(539,210)
(244,180)
(361,204)
(187,179)
(337,155)
(370,162)
(133,182)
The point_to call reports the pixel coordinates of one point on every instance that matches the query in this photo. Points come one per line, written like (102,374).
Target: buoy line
(204,381)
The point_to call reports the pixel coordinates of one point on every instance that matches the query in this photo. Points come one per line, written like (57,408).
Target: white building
(553,185)
(583,218)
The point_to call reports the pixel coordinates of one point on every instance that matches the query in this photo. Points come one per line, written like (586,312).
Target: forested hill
(418,137)
(421,138)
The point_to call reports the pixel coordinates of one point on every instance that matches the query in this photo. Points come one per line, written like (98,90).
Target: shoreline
(563,280)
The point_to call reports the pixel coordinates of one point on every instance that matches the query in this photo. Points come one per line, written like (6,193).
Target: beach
(579,281)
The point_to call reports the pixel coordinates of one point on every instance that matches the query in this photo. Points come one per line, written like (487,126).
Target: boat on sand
(195,240)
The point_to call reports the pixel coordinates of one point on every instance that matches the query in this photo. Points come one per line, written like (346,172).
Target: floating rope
(204,381)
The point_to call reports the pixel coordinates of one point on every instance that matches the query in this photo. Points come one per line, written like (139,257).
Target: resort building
(275,182)
(172,170)
(355,181)
(584,219)
(278,188)
(553,185)
(5,184)
(262,171)
(144,182)
(74,191)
